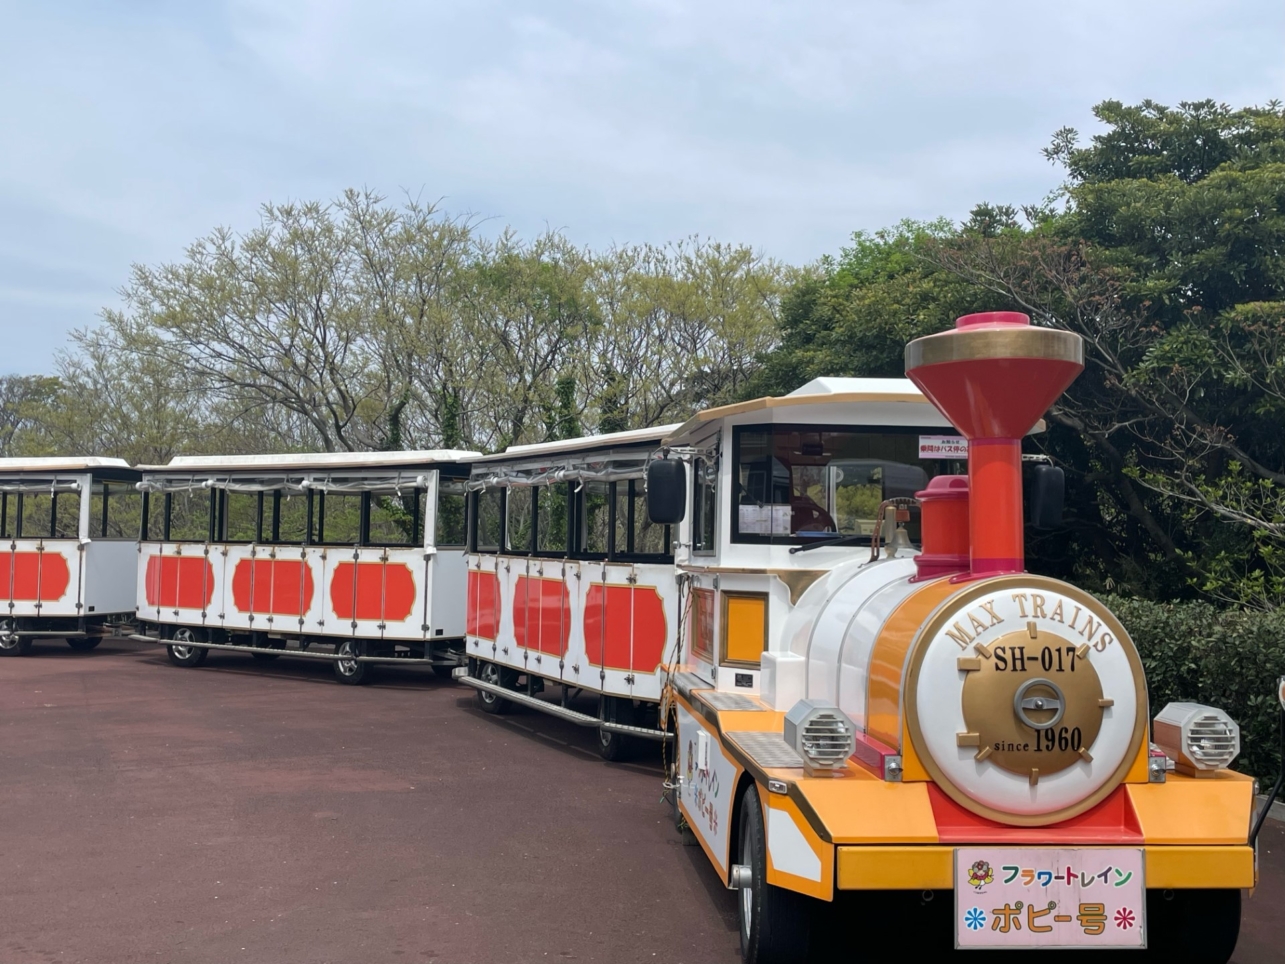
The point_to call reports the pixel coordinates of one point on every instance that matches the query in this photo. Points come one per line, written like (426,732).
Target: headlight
(821,733)
(1199,739)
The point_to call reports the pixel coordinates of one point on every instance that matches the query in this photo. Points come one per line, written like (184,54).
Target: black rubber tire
(775,924)
(616,747)
(83,644)
(265,657)
(181,651)
(445,672)
(500,676)
(1192,926)
(11,645)
(350,671)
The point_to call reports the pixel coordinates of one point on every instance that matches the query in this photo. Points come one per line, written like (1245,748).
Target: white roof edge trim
(311,460)
(833,385)
(604,441)
(61,463)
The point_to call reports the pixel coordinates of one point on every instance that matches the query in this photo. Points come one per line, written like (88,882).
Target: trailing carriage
(68,539)
(356,559)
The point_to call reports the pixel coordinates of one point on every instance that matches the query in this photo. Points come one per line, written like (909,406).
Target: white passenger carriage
(70,534)
(356,558)
(570,583)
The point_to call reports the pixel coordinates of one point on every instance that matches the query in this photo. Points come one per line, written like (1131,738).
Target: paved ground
(264,813)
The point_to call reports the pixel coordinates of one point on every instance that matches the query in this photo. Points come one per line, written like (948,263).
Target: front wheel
(347,668)
(1192,926)
(775,922)
(83,644)
(181,650)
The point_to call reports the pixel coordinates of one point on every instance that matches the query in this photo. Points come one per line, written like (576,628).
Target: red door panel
(542,615)
(614,614)
(278,587)
(179,582)
(36,576)
(383,592)
(483,604)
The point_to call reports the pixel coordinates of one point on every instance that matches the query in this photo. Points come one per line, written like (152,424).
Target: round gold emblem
(1032,702)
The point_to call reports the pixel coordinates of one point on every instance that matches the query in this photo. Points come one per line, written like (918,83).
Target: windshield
(796,484)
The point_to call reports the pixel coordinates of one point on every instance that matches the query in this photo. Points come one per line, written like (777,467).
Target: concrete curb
(1278,807)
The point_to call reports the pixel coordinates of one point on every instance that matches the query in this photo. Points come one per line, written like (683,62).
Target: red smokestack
(993,376)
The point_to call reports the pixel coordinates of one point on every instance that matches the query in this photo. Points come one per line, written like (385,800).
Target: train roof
(587,443)
(883,396)
(310,461)
(91,464)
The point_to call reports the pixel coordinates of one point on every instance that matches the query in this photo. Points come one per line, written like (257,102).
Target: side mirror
(1047,496)
(666,492)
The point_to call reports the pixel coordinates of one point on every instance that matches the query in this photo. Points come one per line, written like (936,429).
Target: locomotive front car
(70,535)
(877,707)
(354,558)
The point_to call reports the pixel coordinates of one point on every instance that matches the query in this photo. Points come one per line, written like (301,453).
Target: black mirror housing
(1046,496)
(666,492)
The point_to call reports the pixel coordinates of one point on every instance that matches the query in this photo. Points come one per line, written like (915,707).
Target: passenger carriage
(353,558)
(570,584)
(70,535)
(876,707)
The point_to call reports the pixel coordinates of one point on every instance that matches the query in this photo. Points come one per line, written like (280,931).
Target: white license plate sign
(1027,897)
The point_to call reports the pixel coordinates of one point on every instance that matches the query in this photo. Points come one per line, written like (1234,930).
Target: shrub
(1230,659)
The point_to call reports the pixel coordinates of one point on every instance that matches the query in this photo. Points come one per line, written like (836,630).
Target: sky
(130,129)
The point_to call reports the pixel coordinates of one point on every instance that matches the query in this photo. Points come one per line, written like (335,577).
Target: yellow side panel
(1194,810)
(888,660)
(744,627)
(895,868)
(862,809)
(1193,868)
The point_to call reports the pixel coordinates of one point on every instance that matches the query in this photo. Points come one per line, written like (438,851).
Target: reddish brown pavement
(265,813)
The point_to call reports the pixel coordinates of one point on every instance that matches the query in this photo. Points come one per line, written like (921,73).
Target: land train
(816,607)
(68,530)
(356,559)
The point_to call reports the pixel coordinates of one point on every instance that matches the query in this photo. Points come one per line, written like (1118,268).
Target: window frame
(698,516)
(732,515)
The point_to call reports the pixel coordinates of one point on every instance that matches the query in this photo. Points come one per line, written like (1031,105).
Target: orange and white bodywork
(69,534)
(265,552)
(925,717)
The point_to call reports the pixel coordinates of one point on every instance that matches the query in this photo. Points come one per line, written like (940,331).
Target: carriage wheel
(496,675)
(11,644)
(349,670)
(183,652)
(83,644)
(615,747)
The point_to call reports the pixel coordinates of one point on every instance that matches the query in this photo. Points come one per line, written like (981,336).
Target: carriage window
(240,516)
(115,511)
(189,515)
(595,518)
(488,517)
(551,510)
(451,502)
(704,505)
(37,515)
(793,484)
(340,518)
(292,517)
(396,518)
(155,528)
(517,519)
(634,533)
(8,514)
(66,515)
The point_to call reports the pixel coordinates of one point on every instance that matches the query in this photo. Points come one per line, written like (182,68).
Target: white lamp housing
(1199,739)
(822,734)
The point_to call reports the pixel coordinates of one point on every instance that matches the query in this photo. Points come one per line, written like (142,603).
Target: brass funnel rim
(1009,341)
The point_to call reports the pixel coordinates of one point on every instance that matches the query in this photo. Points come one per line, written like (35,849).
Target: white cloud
(129,130)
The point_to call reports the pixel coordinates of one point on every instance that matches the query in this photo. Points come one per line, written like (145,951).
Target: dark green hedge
(1230,659)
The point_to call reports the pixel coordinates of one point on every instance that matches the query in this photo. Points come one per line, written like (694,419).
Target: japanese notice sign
(942,447)
(1074,897)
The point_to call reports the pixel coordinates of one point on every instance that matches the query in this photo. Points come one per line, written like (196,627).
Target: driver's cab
(784,490)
